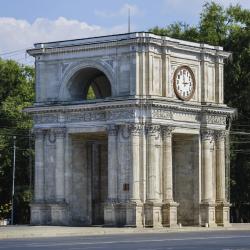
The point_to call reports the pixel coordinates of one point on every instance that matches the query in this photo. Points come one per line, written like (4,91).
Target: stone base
(207,213)
(134,215)
(59,213)
(153,214)
(169,214)
(110,214)
(40,213)
(222,214)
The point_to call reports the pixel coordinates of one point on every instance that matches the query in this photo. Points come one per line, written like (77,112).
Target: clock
(184,83)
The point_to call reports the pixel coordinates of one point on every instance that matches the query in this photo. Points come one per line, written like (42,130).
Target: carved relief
(215,119)
(121,114)
(86,116)
(161,114)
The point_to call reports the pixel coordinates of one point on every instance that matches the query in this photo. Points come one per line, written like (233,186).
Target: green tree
(230,28)
(16,92)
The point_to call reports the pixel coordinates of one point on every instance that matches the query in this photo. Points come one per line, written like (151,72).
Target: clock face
(184,83)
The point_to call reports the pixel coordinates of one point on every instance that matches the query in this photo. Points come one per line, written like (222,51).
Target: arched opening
(88,84)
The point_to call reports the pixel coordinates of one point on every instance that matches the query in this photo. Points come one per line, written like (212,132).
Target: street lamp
(13,180)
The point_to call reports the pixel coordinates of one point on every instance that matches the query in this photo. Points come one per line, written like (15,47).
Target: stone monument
(130,130)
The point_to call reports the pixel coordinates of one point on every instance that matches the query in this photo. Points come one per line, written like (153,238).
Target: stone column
(38,206)
(134,206)
(59,171)
(39,165)
(153,205)
(207,199)
(222,206)
(110,206)
(59,209)
(169,208)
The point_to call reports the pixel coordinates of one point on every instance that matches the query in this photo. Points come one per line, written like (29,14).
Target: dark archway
(89,83)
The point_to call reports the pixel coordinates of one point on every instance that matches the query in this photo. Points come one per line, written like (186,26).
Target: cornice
(133,103)
(138,39)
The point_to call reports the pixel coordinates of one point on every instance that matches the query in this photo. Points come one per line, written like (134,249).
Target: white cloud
(123,11)
(20,34)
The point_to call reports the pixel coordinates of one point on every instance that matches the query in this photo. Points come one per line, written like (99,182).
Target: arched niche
(89,83)
(85,79)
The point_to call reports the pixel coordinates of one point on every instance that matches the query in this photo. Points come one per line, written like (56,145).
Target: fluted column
(110,218)
(39,165)
(112,162)
(220,166)
(169,208)
(207,140)
(167,168)
(134,206)
(222,206)
(153,163)
(135,132)
(207,198)
(59,171)
(153,205)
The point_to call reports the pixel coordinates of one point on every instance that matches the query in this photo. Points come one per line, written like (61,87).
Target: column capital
(112,129)
(135,129)
(207,135)
(153,129)
(38,133)
(59,132)
(167,131)
(220,135)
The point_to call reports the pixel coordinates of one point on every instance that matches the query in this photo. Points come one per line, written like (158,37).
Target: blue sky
(24,22)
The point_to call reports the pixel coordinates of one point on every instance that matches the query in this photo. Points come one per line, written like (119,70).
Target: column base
(153,214)
(134,214)
(39,213)
(222,214)
(169,214)
(59,213)
(110,214)
(207,214)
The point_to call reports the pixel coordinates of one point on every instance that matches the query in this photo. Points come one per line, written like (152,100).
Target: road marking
(29,245)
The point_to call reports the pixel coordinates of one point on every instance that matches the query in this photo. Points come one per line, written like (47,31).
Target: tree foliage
(16,92)
(230,28)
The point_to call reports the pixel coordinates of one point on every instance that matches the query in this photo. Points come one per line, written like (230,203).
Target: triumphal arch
(130,130)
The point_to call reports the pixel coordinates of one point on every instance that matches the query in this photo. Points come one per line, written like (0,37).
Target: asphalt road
(223,240)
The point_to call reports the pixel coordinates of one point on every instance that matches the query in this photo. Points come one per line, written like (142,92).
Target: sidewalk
(12,232)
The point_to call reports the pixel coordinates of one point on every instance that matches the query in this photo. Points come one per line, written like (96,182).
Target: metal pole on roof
(128,20)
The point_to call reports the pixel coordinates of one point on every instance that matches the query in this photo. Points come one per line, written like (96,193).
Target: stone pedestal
(169,214)
(59,213)
(40,213)
(110,214)
(134,215)
(222,214)
(207,214)
(153,214)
